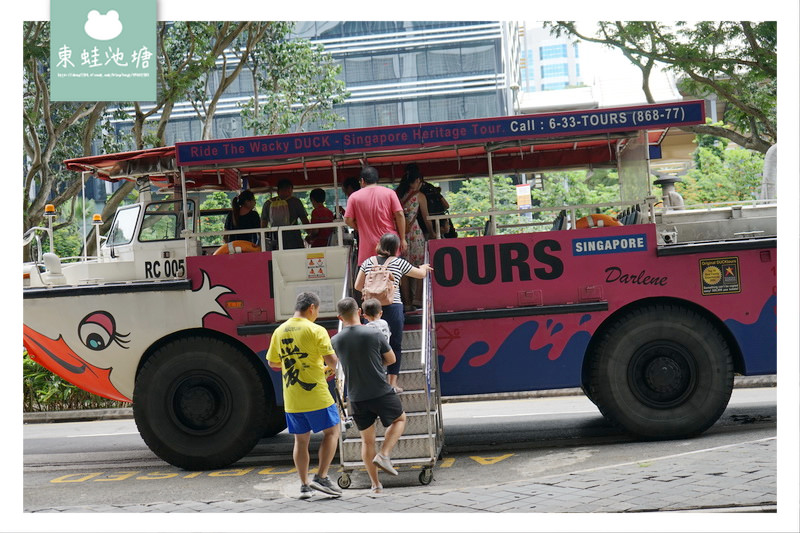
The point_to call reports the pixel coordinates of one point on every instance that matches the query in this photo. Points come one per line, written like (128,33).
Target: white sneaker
(385,464)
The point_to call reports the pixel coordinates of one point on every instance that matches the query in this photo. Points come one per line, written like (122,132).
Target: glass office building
(549,63)
(406,72)
(395,72)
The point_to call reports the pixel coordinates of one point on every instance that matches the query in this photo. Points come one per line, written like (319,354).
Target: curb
(739,382)
(81,415)
(86,415)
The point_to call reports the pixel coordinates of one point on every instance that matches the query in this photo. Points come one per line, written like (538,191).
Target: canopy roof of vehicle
(544,141)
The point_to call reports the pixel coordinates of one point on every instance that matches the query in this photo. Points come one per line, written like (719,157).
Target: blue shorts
(315,421)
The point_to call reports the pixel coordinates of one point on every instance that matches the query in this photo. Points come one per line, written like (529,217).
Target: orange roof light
(50,210)
(97,219)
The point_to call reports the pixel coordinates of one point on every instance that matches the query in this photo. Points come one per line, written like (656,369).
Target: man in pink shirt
(372,211)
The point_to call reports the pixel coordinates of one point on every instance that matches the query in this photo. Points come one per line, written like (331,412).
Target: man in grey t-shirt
(363,352)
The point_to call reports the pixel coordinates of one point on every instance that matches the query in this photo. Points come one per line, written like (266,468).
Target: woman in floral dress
(412,200)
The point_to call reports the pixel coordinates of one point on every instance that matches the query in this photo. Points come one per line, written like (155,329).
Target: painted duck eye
(98,330)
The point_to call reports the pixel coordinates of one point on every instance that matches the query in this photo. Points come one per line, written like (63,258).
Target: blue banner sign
(610,245)
(441,133)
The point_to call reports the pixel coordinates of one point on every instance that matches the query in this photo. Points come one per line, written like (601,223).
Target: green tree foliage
(299,79)
(473,196)
(241,39)
(559,189)
(216,221)
(216,200)
(44,391)
(727,176)
(734,62)
(186,51)
(295,84)
(52,132)
(716,145)
(576,188)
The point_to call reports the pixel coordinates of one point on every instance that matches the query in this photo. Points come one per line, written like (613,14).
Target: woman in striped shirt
(386,250)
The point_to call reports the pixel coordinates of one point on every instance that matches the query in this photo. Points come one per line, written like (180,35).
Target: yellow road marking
(271,470)
(447,462)
(231,473)
(118,476)
(490,460)
(162,475)
(82,477)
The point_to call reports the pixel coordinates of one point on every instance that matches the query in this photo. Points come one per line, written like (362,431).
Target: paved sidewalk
(702,480)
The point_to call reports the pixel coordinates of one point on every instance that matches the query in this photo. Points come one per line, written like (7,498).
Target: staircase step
(411,379)
(396,462)
(412,339)
(415,400)
(416,424)
(407,447)
(411,359)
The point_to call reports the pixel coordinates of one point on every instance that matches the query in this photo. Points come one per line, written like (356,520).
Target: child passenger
(319,214)
(373,312)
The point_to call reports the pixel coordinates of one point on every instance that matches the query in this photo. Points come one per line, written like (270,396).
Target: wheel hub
(662,374)
(200,404)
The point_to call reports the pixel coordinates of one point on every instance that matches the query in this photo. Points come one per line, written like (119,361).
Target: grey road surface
(546,455)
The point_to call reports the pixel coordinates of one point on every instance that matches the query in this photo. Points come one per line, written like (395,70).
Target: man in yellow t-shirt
(298,349)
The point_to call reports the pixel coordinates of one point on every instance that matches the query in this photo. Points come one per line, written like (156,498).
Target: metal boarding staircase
(421,443)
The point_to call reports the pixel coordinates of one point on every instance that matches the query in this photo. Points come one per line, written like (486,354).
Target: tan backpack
(379,282)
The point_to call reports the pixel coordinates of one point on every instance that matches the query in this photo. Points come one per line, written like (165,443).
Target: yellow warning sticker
(315,266)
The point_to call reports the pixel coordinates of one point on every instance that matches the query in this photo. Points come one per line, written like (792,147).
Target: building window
(554,86)
(361,116)
(446,108)
(182,130)
(358,70)
(384,68)
(555,71)
(481,105)
(444,62)
(480,58)
(575,50)
(552,51)
(386,114)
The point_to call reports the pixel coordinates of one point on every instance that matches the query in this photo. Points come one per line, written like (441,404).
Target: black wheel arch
(591,348)
(266,381)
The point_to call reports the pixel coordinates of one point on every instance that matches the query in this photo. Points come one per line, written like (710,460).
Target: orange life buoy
(597,221)
(236,247)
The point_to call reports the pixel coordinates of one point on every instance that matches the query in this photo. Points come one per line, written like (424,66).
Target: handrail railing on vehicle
(339,384)
(572,215)
(648,206)
(714,205)
(428,360)
(339,226)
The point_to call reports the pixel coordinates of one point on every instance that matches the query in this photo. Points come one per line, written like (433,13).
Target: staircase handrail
(426,349)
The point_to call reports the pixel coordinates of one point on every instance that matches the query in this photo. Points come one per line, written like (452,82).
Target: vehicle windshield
(124,226)
(164,221)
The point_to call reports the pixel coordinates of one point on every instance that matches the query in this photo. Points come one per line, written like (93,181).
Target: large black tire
(662,372)
(199,403)
(275,419)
